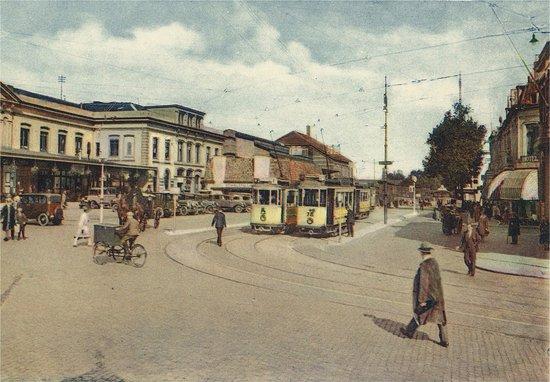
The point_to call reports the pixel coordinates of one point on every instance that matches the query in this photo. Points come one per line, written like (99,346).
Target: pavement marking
(171,232)
(7,292)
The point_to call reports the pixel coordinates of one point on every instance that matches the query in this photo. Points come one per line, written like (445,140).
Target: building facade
(52,144)
(332,163)
(541,74)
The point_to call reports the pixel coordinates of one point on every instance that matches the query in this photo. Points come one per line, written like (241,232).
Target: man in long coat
(218,221)
(514,227)
(469,243)
(483,225)
(8,219)
(428,300)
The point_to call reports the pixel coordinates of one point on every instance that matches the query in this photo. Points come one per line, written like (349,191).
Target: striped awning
(520,184)
(495,184)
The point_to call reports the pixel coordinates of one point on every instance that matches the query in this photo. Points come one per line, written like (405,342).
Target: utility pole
(374,169)
(385,175)
(61,79)
(460,88)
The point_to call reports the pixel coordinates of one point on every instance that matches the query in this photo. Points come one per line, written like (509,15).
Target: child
(83,228)
(21,221)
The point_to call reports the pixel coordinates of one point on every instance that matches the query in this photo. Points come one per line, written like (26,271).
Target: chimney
(308,130)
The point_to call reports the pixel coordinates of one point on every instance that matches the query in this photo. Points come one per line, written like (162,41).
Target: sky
(267,68)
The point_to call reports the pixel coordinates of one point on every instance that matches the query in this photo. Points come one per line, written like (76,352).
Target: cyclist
(128,232)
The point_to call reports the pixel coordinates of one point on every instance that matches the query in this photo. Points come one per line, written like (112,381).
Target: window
(323,198)
(113,146)
(216,151)
(155,148)
(207,153)
(61,142)
(262,197)
(311,198)
(166,179)
(274,197)
(97,149)
(291,198)
(24,138)
(197,153)
(78,144)
(88,149)
(532,130)
(44,140)
(189,145)
(180,151)
(129,146)
(167,149)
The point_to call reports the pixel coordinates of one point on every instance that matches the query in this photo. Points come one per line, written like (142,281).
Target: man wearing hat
(469,244)
(129,231)
(8,219)
(428,301)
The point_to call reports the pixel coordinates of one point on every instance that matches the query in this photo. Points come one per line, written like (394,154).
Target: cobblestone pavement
(260,308)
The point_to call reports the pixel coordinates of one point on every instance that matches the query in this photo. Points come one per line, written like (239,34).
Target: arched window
(166,179)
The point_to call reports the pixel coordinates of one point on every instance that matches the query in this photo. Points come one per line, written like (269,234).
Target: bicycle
(109,244)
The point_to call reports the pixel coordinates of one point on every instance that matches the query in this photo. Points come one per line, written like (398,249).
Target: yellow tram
(274,208)
(363,202)
(322,207)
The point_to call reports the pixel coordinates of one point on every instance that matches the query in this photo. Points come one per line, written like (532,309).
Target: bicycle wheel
(99,252)
(138,255)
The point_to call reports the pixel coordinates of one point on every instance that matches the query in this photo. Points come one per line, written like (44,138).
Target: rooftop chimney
(308,130)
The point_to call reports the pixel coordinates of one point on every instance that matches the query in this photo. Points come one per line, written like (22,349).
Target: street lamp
(414,179)
(101,194)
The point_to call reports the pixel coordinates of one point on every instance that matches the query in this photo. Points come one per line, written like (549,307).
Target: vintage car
(190,207)
(43,207)
(233,202)
(92,200)
(159,204)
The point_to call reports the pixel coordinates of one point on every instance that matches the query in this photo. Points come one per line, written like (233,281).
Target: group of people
(13,219)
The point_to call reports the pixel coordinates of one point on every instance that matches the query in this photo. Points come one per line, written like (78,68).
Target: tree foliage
(456,149)
(425,181)
(397,175)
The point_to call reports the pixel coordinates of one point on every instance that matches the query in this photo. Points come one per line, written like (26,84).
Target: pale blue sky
(262,66)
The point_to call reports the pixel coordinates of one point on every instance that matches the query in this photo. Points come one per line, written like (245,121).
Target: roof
(295,138)
(42,96)
(112,106)
(184,108)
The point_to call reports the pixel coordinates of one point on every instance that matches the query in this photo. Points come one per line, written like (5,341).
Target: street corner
(513,265)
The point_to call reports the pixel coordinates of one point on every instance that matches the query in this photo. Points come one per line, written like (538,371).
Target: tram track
(279,282)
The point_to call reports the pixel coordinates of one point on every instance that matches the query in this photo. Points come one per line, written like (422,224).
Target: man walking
(8,219)
(513,227)
(218,221)
(483,225)
(469,243)
(428,301)
(350,221)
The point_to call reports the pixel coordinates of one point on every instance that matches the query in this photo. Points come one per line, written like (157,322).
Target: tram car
(322,207)
(363,200)
(273,209)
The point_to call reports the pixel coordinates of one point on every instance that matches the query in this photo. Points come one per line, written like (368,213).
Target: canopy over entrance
(515,185)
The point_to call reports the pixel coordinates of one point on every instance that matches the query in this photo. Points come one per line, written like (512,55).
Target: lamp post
(414,179)
(101,195)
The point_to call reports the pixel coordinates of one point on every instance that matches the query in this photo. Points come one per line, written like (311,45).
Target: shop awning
(520,184)
(495,184)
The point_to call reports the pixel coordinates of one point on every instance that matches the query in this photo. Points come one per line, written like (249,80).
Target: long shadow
(97,374)
(393,327)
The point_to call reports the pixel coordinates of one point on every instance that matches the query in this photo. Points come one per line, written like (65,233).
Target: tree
(397,175)
(425,181)
(456,149)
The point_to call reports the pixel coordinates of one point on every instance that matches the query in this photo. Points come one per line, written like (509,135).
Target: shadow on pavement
(97,374)
(393,327)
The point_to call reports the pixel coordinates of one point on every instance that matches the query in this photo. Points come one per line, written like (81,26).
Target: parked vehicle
(159,205)
(92,200)
(234,202)
(209,206)
(190,207)
(45,208)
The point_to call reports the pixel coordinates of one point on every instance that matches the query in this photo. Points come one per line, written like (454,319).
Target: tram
(274,208)
(363,202)
(322,207)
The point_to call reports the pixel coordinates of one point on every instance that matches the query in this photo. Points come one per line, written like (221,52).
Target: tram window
(291,198)
(263,197)
(311,198)
(323,197)
(339,199)
(274,199)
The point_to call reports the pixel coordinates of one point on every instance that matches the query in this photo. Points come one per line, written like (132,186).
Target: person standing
(350,221)
(496,214)
(8,219)
(21,220)
(544,234)
(83,228)
(513,227)
(428,300)
(483,225)
(64,199)
(218,221)
(469,244)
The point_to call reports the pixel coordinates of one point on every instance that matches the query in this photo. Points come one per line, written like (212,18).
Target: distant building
(248,159)
(332,163)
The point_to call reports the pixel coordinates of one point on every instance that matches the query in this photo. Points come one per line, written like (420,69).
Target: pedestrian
(428,300)
(218,221)
(83,228)
(469,243)
(477,212)
(64,199)
(513,227)
(8,219)
(21,220)
(496,213)
(483,225)
(350,221)
(543,238)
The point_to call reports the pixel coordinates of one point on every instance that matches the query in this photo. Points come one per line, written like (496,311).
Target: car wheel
(210,209)
(167,213)
(159,213)
(94,204)
(43,219)
(183,211)
(239,208)
(114,207)
(248,208)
